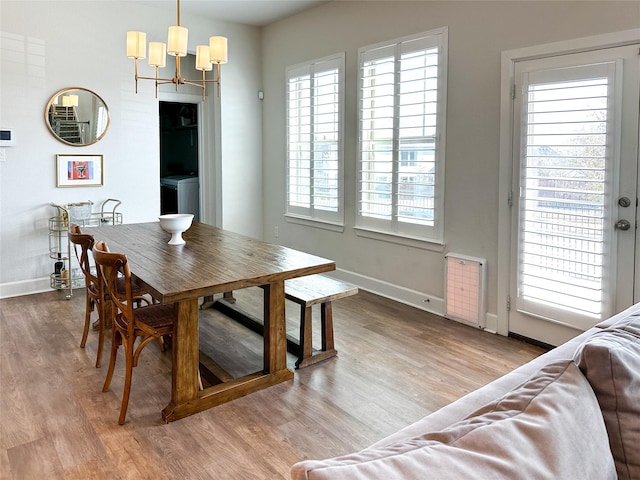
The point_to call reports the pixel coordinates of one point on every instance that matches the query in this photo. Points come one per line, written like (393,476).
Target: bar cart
(67,274)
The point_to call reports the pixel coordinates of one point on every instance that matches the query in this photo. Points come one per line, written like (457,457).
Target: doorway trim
(209,163)
(505,176)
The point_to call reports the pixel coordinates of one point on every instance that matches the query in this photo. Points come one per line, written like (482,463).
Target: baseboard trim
(406,296)
(388,290)
(394,292)
(24,287)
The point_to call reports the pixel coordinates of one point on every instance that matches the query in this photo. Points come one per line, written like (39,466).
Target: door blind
(565,177)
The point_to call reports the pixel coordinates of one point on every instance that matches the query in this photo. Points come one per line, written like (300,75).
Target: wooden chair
(148,322)
(95,293)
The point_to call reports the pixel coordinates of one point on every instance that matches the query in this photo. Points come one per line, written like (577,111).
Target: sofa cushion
(619,319)
(610,360)
(548,427)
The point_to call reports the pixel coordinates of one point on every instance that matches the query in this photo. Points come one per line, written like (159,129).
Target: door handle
(624,202)
(623,224)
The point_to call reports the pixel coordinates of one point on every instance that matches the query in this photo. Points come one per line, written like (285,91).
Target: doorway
(179,172)
(574,182)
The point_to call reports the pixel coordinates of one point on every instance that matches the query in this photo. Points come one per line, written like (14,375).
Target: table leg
(275,332)
(207,302)
(185,350)
(186,399)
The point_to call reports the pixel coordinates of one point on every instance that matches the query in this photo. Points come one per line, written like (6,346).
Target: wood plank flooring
(395,365)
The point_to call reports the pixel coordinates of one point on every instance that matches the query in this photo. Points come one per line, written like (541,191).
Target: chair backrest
(85,242)
(112,267)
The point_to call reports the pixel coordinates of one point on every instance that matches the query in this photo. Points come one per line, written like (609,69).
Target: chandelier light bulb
(218,49)
(178,38)
(157,54)
(203,62)
(177,44)
(136,44)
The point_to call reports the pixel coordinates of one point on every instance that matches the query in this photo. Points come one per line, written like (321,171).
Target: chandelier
(176,46)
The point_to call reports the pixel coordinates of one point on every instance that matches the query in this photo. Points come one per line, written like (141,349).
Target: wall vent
(465,289)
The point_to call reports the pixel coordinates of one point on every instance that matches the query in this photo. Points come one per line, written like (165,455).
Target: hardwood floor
(395,365)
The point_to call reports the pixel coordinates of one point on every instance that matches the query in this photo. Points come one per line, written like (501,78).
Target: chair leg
(161,344)
(101,330)
(115,342)
(87,322)
(129,361)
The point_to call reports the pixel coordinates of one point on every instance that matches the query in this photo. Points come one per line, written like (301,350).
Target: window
(402,99)
(315,102)
(566,167)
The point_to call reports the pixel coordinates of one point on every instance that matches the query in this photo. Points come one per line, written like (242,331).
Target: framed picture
(78,170)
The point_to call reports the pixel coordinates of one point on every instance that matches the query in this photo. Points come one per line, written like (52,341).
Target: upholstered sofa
(572,413)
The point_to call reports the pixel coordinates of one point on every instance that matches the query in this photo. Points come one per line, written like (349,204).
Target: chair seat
(135,288)
(157,317)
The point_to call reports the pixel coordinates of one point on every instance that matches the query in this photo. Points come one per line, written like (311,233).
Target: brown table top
(212,260)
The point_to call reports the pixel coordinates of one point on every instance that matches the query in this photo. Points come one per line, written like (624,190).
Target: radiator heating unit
(465,289)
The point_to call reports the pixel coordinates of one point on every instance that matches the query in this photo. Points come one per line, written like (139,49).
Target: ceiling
(249,12)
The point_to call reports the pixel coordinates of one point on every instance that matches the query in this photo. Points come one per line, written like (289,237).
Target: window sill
(316,223)
(417,242)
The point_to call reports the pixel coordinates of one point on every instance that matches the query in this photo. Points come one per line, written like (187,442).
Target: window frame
(312,215)
(424,236)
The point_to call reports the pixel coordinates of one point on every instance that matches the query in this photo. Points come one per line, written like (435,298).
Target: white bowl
(175,224)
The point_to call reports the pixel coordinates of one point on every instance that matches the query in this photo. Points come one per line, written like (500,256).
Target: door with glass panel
(574,195)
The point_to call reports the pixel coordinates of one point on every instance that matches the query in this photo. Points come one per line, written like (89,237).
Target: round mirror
(77,116)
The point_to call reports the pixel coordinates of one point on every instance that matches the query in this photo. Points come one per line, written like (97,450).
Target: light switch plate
(7,138)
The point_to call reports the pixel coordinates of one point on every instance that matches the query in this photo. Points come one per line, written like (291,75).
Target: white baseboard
(492,323)
(404,295)
(394,292)
(25,287)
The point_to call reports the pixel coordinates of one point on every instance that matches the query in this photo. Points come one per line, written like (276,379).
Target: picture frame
(79,170)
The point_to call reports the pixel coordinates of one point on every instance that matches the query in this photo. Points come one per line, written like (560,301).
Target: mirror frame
(67,90)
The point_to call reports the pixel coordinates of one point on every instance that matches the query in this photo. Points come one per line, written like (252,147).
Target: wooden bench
(305,291)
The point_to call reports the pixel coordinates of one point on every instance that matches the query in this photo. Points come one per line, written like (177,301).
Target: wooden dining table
(212,261)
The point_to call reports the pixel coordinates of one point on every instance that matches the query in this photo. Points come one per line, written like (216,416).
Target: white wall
(478,32)
(48,45)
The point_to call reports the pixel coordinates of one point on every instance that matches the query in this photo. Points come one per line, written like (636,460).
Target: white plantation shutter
(401,146)
(315,101)
(566,177)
